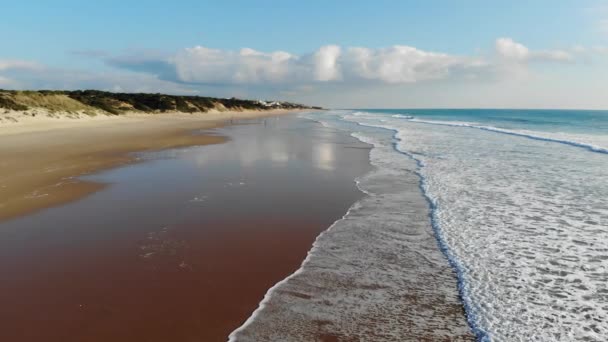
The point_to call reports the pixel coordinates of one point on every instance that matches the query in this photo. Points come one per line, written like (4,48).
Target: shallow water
(523,216)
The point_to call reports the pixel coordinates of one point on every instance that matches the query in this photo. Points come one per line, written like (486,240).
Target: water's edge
(446,321)
(233,337)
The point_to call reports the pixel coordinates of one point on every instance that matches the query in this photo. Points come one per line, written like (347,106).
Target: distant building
(269,104)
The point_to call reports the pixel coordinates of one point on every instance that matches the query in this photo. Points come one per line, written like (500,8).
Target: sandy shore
(41,155)
(183,245)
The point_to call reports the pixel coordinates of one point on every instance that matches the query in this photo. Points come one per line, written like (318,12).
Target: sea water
(520,200)
(519,209)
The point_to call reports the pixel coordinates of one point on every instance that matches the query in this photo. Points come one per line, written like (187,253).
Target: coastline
(41,157)
(377,273)
(197,248)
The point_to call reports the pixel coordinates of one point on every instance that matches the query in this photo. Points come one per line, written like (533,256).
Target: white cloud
(326,67)
(333,64)
(396,64)
(512,51)
(204,65)
(399,64)
(217,72)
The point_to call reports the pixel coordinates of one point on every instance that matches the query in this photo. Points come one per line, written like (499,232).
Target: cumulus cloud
(331,64)
(399,64)
(204,65)
(396,64)
(218,72)
(326,63)
(510,50)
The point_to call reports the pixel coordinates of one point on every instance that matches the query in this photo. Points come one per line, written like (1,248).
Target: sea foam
(562,138)
(524,220)
(377,274)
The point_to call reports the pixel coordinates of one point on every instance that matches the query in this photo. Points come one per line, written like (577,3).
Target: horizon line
(473,108)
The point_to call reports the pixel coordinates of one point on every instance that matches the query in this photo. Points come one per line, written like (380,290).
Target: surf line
(463,292)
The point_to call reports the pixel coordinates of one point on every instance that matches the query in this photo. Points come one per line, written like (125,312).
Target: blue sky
(540,53)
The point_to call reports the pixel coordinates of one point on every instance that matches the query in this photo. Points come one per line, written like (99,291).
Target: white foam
(526,221)
(589,142)
(400,116)
(262,305)
(376,274)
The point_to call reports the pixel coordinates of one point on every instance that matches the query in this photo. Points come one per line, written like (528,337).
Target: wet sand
(40,156)
(182,246)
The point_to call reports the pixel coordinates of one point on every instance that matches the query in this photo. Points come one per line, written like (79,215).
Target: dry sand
(42,153)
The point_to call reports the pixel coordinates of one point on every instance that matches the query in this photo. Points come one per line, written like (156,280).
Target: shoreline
(264,303)
(184,245)
(346,289)
(42,157)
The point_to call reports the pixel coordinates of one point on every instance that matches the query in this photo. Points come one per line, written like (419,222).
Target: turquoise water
(550,120)
(584,129)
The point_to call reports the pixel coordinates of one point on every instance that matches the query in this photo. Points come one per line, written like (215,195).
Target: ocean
(519,207)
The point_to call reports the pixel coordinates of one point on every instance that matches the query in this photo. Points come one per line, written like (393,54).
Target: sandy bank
(41,155)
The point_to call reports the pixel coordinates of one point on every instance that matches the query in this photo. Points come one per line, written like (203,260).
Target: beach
(377,274)
(41,157)
(304,171)
(180,244)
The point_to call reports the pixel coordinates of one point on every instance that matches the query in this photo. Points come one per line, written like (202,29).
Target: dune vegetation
(94,101)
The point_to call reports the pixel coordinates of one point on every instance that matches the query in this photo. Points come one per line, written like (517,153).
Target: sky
(339,54)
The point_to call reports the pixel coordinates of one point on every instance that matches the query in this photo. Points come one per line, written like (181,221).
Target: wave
(471,313)
(467,302)
(399,116)
(233,337)
(375,267)
(525,134)
(508,221)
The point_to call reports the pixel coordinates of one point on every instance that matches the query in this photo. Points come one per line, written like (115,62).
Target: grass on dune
(94,101)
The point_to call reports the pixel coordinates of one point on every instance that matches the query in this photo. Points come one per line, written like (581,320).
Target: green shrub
(10,104)
(116,103)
